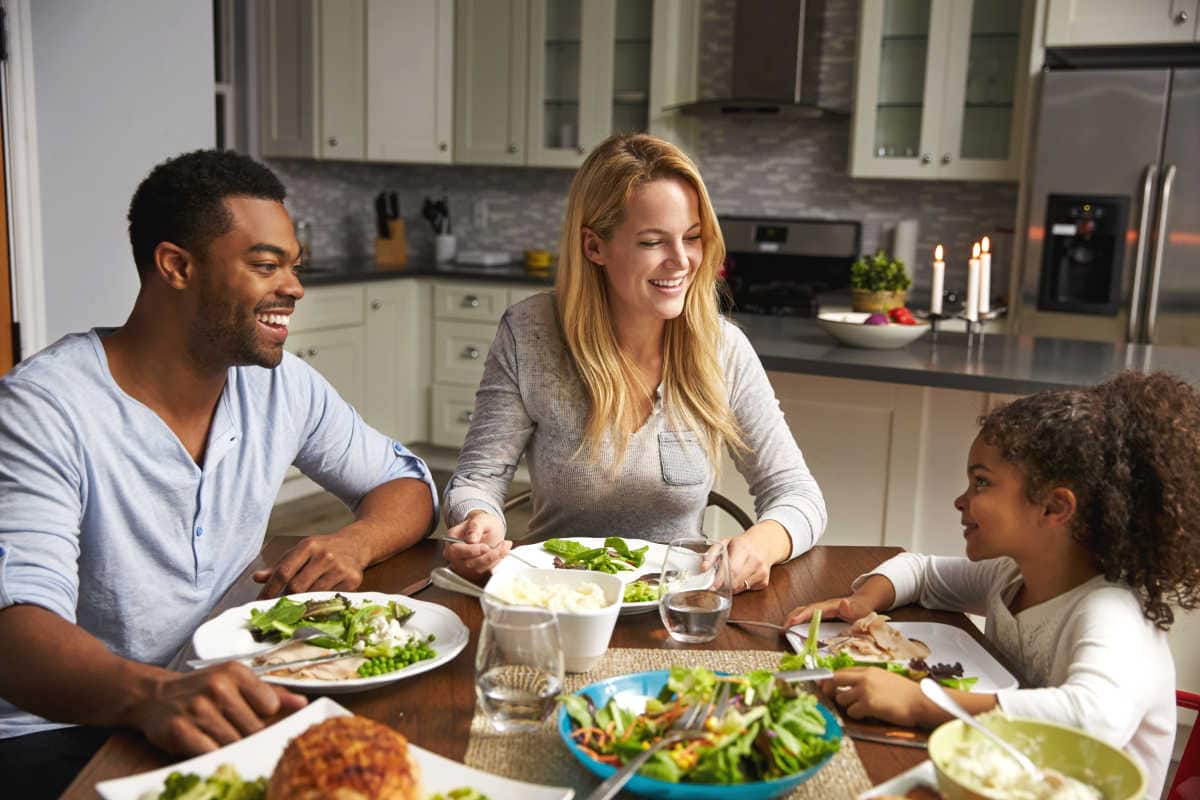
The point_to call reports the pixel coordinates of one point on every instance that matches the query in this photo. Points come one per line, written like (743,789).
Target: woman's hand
(873,692)
(484,546)
(849,608)
(753,553)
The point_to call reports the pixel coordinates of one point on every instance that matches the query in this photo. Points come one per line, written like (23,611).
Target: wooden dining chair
(1186,785)
(714,499)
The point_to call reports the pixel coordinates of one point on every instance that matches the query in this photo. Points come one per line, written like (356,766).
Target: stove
(782,266)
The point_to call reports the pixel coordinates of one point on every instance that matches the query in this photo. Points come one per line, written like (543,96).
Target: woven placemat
(541,757)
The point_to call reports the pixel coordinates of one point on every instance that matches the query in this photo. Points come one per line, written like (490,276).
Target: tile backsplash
(751,166)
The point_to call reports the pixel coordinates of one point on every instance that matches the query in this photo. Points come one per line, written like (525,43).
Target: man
(138,467)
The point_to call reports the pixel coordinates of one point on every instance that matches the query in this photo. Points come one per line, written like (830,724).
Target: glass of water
(518,666)
(695,591)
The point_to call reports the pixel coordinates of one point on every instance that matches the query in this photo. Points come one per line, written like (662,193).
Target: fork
(689,725)
(445,537)
(301,634)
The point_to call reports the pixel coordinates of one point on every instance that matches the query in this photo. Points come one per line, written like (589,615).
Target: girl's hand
(848,608)
(484,545)
(873,692)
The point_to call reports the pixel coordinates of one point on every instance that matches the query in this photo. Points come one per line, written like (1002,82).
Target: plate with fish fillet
(920,647)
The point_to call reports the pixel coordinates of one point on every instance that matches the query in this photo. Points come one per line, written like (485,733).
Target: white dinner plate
(256,755)
(227,635)
(534,554)
(947,645)
(922,775)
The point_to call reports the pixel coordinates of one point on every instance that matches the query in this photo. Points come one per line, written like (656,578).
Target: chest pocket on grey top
(682,457)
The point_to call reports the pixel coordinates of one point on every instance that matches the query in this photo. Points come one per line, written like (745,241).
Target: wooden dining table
(434,709)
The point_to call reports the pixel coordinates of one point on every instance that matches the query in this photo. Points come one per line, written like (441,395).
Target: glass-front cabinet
(939,88)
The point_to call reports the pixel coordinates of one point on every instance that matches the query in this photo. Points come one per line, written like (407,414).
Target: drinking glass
(518,666)
(695,592)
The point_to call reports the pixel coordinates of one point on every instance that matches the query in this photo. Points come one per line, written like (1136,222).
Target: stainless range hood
(776,61)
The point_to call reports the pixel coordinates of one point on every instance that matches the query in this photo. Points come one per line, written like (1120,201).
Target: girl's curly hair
(1129,449)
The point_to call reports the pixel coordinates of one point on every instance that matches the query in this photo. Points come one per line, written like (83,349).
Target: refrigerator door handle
(1160,236)
(1139,258)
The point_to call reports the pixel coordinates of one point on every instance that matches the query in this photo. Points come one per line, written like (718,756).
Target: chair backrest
(1186,785)
(714,499)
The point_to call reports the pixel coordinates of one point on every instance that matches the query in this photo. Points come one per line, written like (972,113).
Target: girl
(1080,521)
(623,387)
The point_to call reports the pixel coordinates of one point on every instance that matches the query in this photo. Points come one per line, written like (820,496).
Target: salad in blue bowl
(773,736)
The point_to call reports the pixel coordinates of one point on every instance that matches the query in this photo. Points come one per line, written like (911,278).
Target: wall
(751,166)
(118,88)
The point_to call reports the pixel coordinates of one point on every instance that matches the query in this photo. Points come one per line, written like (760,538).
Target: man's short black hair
(182,201)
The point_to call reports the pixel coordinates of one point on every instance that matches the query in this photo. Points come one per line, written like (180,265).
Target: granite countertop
(988,362)
(333,271)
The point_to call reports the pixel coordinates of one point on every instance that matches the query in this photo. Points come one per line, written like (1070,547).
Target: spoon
(934,691)
(446,578)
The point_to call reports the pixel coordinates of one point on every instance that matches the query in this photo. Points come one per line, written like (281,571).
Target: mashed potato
(980,764)
(586,596)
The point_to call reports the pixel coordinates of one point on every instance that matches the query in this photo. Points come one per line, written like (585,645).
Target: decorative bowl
(848,329)
(639,686)
(1067,750)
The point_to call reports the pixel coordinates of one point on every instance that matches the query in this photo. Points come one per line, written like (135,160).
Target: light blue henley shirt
(106,520)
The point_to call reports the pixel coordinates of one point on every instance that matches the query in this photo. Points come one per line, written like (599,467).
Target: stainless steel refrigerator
(1112,243)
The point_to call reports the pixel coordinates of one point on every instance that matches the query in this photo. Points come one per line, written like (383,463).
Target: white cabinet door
(398,360)
(490,80)
(287,77)
(460,351)
(453,407)
(328,307)
(338,354)
(1116,22)
(940,88)
(343,79)
(410,80)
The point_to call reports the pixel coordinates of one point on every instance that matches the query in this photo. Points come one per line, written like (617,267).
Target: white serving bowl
(584,634)
(848,328)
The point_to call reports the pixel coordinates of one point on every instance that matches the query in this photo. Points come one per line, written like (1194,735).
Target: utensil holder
(444,247)
(392,252)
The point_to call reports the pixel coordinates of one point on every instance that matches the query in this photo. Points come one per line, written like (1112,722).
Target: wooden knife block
(392,252)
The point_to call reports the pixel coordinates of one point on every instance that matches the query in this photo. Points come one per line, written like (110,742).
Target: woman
(623,386)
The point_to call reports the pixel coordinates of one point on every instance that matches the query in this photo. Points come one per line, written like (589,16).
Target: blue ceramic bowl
(642,685)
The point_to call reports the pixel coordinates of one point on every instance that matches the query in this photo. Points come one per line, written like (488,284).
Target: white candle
(985,276)
(971,305)
(939,277)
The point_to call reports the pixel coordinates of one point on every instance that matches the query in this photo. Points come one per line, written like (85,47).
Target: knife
(417,586)
(263,669)
(898,738)
(393,205)
(381,216)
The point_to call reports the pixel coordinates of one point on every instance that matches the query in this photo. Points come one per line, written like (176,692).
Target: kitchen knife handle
(1160,242)
(1139,258)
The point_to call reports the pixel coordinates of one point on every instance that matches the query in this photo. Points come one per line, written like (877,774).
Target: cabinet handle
(581,149)
(466,416)
(946,158)
(300,354)
(443,146)
(1181,17)
(470,301)
(512,148)
(376,305)
(471,352)
(312,351)
(926,158)
(333,141)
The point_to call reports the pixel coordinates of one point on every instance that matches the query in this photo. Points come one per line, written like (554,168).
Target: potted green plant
(878,283)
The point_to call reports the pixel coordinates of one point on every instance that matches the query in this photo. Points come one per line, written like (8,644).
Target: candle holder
(932,319)
(974,326)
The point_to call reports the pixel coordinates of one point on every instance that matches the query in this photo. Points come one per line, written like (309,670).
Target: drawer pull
(470,301)
(376,305)
(471,353)
(466,416)
(312,351)
(299,354)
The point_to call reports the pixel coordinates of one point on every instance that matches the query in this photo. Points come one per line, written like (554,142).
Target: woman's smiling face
(653,254)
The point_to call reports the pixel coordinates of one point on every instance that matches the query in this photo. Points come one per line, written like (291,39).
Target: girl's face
(998,519)
(652,256)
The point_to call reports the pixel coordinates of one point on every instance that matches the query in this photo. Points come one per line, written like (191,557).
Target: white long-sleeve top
(1098,663)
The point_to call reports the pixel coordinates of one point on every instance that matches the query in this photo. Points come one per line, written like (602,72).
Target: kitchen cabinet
(1073,23)
(356,79)
(542,82)
(398,348)
(311,78)
(410,80)
(940,88)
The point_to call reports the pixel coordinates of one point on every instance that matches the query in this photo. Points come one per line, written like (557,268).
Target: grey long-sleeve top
(531,401)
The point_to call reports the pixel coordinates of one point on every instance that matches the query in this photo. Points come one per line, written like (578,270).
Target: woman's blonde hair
(694,389)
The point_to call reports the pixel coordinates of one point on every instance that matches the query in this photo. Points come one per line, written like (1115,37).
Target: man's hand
(484,546)
(753,553)
(196,712)
(318,563)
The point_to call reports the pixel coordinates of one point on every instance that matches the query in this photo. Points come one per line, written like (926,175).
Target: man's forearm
(59,671)
(392,517)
